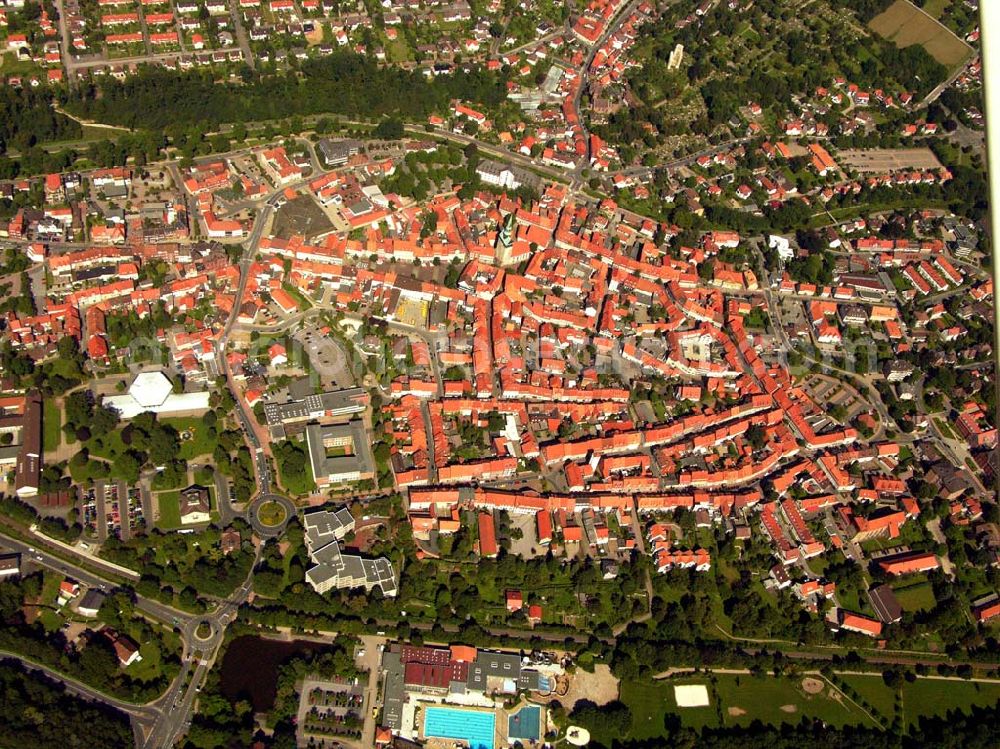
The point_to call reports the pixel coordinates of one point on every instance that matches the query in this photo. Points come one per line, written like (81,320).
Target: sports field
(738,700)
(905,24)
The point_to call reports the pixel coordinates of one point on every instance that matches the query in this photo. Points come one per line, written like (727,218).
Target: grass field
(916,597)
(151,664)
(938,697)
(736,700)
(50,587)
(649,703)
(51,426)
(945,430)
(170,509)
(905,24)
(935,8)
(204,476)
(108,446)
(271,513)
(874,691)
(201,441)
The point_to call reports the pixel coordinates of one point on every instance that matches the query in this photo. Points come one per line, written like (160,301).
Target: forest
(37,713)
(343,83)
(27,118)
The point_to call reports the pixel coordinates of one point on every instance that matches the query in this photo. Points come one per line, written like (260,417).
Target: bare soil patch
(812,686)
(600,687)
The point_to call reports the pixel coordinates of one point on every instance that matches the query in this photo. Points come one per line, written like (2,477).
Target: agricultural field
(905,24)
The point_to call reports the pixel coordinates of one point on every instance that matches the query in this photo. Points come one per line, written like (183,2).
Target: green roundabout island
(271,514)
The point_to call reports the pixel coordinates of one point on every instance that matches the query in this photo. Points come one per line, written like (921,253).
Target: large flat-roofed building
(332,569)
(152,391)
(324,526)
(331,404)
(337,152)
(411,673)
(28,468)
(339,453)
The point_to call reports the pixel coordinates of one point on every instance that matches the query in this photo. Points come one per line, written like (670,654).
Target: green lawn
(170,509)
(763,699)
(938,697)
(650,702)
(50,587)
(934,8)
(51,426)
(204,476)
(161,483)
(150,667)
(916,597)
(107,446)
(874,691)
(271,513)
(202,442)
(736,700)
(945,430)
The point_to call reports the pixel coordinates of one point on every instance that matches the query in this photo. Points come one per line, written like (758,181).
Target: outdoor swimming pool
(525,725)
(472,726)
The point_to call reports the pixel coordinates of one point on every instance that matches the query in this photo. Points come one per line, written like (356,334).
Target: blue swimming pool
(525,725)
(473,726)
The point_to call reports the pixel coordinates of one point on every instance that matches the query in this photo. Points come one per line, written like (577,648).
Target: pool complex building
(476,727)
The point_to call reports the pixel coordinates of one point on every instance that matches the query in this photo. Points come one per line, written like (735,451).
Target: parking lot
(885,160)
(328,359)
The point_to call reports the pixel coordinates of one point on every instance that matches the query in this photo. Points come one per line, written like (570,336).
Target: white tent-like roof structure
(153,391)
(150,389)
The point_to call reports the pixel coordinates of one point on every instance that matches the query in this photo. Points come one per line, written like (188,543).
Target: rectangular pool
(472,726)
(525,724)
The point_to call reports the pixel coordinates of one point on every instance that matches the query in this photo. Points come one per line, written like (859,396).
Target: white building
(152,391)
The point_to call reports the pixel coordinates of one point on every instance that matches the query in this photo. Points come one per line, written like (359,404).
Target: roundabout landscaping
(271,514)
(203,631)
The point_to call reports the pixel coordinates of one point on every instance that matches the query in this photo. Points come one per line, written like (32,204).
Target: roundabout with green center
(271,514)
